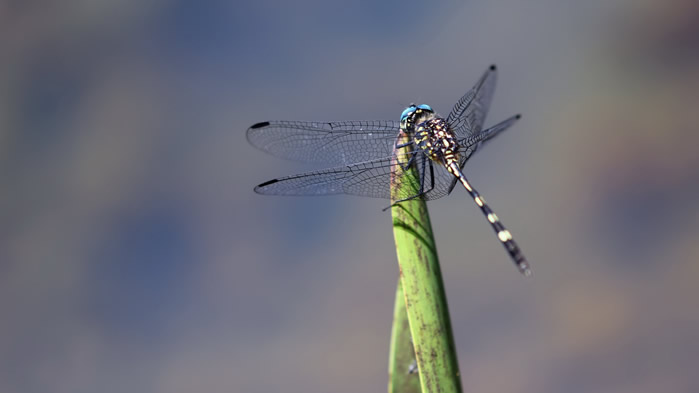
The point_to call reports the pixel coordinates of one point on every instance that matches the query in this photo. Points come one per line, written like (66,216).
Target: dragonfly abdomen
(503,234)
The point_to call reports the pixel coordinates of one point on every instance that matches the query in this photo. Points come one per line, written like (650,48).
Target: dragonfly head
(413,113)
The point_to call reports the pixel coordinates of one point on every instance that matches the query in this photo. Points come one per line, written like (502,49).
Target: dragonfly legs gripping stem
(412,153)
(423,172)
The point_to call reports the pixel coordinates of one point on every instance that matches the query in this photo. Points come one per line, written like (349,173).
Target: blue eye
(425,107)
(407,112)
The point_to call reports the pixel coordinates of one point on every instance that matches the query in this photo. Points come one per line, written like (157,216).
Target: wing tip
(260,187)
(518,116)
(493,67)
(259,125)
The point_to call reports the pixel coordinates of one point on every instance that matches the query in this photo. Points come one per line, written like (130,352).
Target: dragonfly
(366,156)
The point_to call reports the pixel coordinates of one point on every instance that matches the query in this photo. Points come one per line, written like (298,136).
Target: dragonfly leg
(422,176)
(421,191)
(409,163)
(412,158)
(431,178)
(402,145)
(402,200)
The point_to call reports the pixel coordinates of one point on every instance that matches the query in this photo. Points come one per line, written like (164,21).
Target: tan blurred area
(134,255)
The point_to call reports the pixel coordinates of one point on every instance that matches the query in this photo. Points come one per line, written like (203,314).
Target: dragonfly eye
(425,108)
(407,112)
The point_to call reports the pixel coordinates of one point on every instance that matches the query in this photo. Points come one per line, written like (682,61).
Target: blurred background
(134,255)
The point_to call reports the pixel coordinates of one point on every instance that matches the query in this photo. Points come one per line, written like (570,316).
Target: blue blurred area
(134,255)
(142,270)
(45,99)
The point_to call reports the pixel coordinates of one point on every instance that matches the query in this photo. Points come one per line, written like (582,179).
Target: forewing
(469,112)
(331,143)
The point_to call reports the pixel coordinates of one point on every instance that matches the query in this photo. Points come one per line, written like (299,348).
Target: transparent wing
(477,140)
(333,143)
(469,112)
(370,178)
(474,142)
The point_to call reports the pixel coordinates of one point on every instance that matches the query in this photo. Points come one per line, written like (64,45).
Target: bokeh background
(135,257)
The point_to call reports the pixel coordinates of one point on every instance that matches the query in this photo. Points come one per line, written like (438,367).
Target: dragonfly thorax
(437,141)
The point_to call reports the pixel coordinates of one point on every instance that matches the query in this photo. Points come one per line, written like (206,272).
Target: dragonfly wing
(468,115)
(331,143)
(471,144)
(476,141)
(369,178)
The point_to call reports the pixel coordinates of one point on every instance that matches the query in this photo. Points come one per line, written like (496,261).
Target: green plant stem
(423,290)
(402,353)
